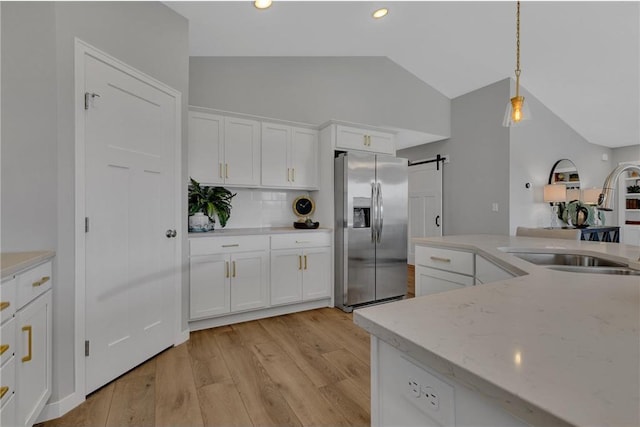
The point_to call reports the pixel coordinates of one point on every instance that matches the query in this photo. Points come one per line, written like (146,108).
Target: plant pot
(199,223)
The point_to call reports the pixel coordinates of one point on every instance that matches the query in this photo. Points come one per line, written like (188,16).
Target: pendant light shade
(517,110)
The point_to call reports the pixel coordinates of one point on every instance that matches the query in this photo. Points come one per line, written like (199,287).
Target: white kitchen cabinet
(25,344)
(289,156)
(228,275)
(206,147)
(353,138)
(431,280)
(300,267)
(488,272)
(224,150)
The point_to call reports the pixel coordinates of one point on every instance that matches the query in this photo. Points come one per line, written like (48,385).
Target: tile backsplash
(252,208)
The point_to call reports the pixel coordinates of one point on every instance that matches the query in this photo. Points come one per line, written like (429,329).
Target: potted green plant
(210,202)
(633,189)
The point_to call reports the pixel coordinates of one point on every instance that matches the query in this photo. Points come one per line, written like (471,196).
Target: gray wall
(478,172)
(535,147)
(629,153)
(146,35)
(368,90)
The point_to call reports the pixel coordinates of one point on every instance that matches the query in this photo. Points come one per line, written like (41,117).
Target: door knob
(171,233)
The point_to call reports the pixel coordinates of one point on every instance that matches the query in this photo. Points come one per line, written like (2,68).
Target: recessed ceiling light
(262,4)
(380,13)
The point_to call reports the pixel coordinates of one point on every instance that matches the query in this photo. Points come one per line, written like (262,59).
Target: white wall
(629,153)
(368,90)
(39,149)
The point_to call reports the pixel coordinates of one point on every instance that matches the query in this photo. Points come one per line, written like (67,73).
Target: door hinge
(88,97)
(86,224)
(86,348)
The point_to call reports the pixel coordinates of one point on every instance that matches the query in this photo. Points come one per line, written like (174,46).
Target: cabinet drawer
(8,299)
(33,282)
(300,240)
(228,244)
(7,341)
(445,259)
(431,281)
(7,380)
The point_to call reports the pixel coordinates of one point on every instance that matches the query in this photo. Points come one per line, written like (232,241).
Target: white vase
(199,222)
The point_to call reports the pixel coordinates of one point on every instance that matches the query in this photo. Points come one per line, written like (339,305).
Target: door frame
(81,49)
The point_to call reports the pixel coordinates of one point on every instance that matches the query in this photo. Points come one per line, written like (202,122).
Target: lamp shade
(555,193)
(573,194)
(590,195)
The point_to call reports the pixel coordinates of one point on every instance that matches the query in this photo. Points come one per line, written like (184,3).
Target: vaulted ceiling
(581,59)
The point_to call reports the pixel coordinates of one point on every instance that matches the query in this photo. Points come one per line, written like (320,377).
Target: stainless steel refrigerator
(371,229)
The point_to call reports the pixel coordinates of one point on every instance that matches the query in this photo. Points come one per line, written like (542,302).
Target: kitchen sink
(563,259)
(624,271)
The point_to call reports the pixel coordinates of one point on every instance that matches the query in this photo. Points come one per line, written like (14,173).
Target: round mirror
(565,172)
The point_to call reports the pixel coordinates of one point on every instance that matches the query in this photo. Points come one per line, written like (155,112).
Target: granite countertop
(13,262)
(551,347)
(254,231)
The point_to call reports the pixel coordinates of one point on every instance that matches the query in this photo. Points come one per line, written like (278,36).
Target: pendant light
(517,110)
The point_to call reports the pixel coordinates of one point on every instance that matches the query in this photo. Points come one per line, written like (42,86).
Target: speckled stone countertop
(254,231)
(551,347)
(13,262)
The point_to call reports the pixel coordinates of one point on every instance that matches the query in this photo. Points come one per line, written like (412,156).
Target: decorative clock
(303,207)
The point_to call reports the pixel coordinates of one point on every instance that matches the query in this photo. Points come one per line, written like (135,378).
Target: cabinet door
(432,281)
(381,142)
(249,275)
(488,272)
(276,140)
(206,148)
(304,158)
(209,285)
(33,359)
(286,276)
(241,151)
(316,280)
(351,138)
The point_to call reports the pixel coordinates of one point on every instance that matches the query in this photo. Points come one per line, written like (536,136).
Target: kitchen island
(543,348)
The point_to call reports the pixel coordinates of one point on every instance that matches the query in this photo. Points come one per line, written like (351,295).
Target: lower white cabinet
(251,276)
(431,280)
(228,281)
(25,345)
(300,274)
(488,272)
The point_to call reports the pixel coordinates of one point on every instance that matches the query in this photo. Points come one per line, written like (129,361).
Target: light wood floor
(303,369)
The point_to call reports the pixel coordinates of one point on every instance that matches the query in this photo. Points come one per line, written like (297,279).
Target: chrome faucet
(605,200)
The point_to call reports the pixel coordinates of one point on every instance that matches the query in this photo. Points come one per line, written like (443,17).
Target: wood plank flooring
(303,369)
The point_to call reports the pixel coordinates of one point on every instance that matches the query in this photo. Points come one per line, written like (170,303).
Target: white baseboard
(53,410)
(183,336)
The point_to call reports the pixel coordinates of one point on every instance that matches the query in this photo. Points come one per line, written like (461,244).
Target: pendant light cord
(518,50)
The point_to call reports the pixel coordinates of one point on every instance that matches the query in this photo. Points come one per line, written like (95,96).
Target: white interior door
(425,203)
(130,262)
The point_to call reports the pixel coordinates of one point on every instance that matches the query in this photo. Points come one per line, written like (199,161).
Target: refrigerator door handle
(380,212)
(372,221)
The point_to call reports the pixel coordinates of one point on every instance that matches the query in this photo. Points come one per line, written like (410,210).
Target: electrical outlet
(414,388)
(494,206)
(431,397)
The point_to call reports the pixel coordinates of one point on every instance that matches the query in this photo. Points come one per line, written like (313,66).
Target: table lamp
(554,194)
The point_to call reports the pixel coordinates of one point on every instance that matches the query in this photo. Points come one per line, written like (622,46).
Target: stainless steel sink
(563,259)
(624,271)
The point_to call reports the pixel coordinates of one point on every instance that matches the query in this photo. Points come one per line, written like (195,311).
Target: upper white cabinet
(224,150)
(352,138)
(206,147)
(289,156)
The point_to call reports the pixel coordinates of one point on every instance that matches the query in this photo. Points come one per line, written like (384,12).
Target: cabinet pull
(4,304)
(299,262)
(288,174)
(293,174)
(303,241)
(365,140)
(226,269)
(305,262)
(41,282)
(4,348)
(3,390)
(234,245)
(226,170)
(437,258)
(234,269)
(220,170)
(29,330)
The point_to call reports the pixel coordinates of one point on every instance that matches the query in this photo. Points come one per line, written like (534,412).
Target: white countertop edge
(15,262)
(257,231)
(506,399)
